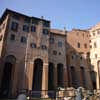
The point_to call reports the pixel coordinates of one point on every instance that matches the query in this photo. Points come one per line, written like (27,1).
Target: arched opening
(6,85)
(37,76)
(73,77)
(82,72)
(60,81)
(51,77)
(93,78)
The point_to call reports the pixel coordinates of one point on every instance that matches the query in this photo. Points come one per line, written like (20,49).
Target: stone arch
(73,76)
(51,76)
(8,72)
(82,73)
(60,75)
(37,74)
(93,78)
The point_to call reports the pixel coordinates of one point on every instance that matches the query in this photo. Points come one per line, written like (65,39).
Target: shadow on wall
(79,68)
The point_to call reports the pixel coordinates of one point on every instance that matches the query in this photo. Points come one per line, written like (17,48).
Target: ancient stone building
(35,57)
(78,50)
(94,54)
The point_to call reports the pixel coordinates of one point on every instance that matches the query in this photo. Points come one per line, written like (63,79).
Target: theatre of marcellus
(35,57)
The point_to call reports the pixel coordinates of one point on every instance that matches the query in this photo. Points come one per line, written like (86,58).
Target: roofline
(7,11)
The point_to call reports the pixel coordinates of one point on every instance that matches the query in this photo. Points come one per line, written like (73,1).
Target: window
(12,37)
(51,39)
(87,35)
(90,46)
(93,34)
(54,52)
(27,20)
(83,34)
(95,45)
(85,45)
(46,24)
(81,57)
(0,29)
(98,31)
(45,31)
(59,53)
(23,39)
(14,26)
(88,54)
(44,47)
(72,57)
(33,45)
(95,55)
(25,28)
(78,45)
(0,37)
(15,16)
(59,44)
(33,28)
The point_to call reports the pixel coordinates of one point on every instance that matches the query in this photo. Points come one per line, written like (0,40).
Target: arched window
(6,84)
(51,76)
(37,75)
(73,77)
(82,72)
(60,75)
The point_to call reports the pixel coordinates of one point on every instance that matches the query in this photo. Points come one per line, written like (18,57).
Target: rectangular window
(14,26)
(0,37)
(44,47)
(59,44)
(95,45)
(45,31)
(54,52)
(85,45)
(23,39)
(16,17)
(51,39)
(46,24)
(25,28)
(78,45)
(12,37)
(27,20)
(33,45)
(33,28)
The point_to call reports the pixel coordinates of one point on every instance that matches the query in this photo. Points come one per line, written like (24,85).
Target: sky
(80,14)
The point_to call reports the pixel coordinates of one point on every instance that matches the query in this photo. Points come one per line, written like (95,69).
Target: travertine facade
(35,57)
(94,54)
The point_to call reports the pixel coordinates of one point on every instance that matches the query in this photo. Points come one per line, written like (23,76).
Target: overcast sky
(62,13)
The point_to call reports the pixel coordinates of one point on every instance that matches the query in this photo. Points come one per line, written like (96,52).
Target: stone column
(65,80)
(45,80)
(55,76)
(29,75)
